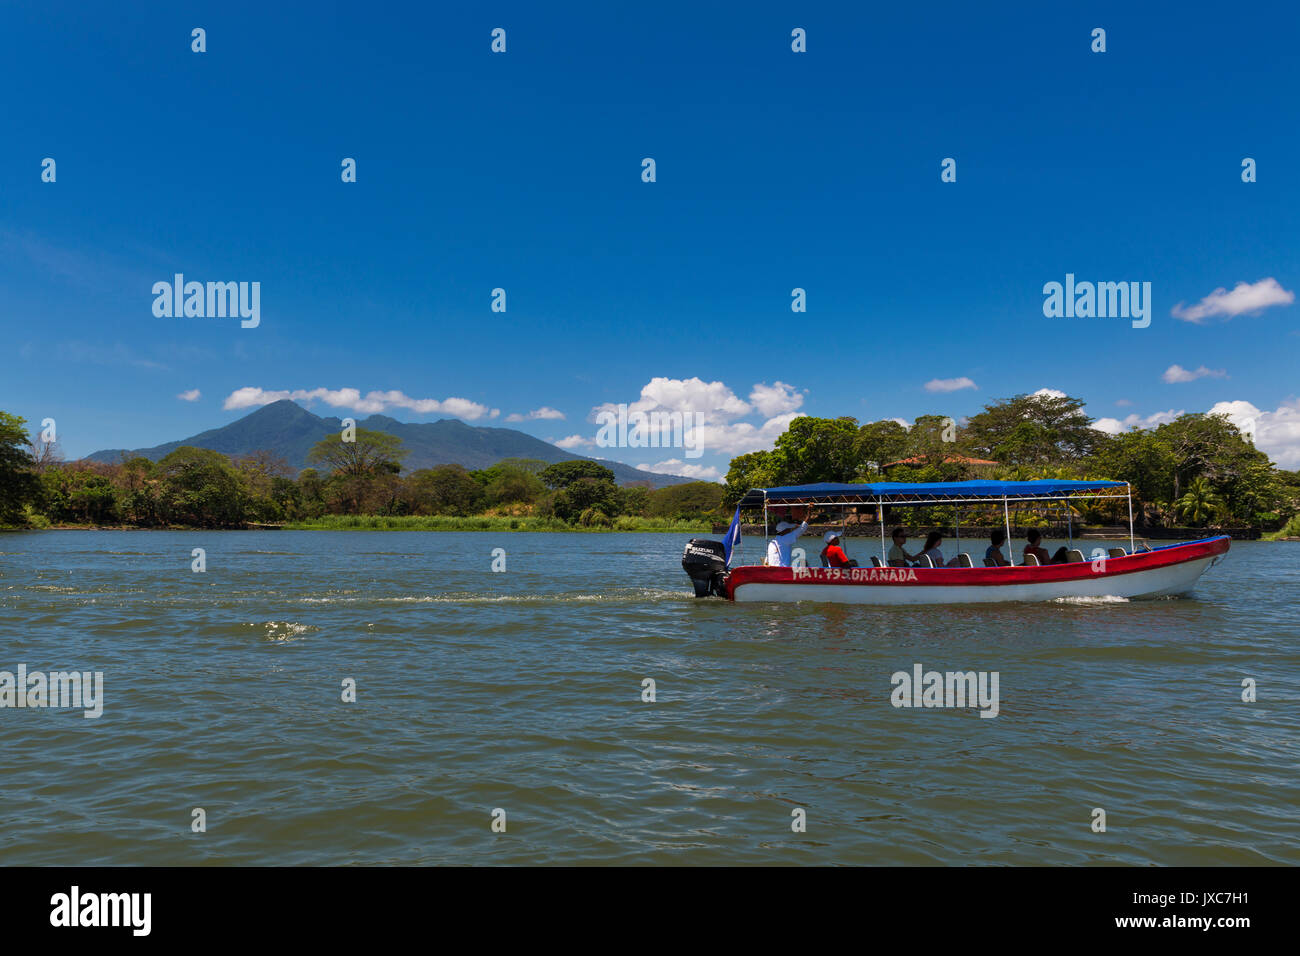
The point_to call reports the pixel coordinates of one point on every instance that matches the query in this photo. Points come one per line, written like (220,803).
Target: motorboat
(1135,572)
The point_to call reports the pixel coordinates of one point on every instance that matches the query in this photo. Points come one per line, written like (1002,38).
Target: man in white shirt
(778,549)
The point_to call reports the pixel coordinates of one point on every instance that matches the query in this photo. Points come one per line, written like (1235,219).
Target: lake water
(522,691)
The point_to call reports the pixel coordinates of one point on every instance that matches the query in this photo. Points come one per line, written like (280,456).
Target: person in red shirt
(833,555)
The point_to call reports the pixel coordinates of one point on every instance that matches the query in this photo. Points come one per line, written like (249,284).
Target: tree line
(1198,470)
(197,487)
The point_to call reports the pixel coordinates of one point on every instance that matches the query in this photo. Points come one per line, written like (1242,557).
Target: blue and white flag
(732,540)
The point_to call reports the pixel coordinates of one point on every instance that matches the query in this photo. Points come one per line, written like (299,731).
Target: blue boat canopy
(903,492)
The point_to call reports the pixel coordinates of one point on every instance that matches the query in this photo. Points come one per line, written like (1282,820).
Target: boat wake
(614,596)
(1099,599)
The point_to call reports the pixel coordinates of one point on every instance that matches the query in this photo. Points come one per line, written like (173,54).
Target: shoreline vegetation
(493,523)
(1196,472)
(486,523)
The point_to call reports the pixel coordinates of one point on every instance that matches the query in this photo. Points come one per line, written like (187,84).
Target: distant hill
(289,430)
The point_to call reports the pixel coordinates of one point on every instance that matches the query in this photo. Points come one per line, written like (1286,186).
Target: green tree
(1208,445)
(583,494)
(18,486)
(80,493)
(1033,430)
(934,441)
(564,473)
(691,500)
(370,453)
(261,470)
(137,492)
(505,484)
(311,489)
(200,487)
(447,490)
(354,464)
(634,499)
(534,465)
(757,469)
(817,449)
(1199,504)
(879,443)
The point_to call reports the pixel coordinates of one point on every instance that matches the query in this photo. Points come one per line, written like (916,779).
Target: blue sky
(522,170)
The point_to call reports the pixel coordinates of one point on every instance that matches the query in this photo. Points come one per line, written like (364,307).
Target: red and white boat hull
(1163,572)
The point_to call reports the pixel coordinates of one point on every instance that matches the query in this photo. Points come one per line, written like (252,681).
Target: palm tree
(1199,504)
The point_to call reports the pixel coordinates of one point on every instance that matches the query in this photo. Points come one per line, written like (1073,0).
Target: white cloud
(713,400)
(777,399)
(192,395)
(1243,298)
(1113,426)
(573,441)
(949,384)
(739,438)
(714,409)
(543,413)
(370,403)
(1176,373)
(1123,402)
(1276,433)
(1050,393)
(675,466)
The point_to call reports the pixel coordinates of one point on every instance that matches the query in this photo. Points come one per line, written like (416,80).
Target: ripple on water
(282,632)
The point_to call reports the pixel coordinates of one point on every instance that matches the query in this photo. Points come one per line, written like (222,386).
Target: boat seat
(1116,553)
(1031,561)
(964,561)
(875,562)
(1073,556)
(926,561)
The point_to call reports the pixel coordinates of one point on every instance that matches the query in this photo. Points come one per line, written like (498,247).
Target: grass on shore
(1290,530)
(488,523)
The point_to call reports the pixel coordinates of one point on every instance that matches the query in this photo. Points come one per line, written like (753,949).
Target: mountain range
(290,431)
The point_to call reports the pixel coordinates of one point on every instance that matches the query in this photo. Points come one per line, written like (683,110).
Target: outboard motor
(706,563)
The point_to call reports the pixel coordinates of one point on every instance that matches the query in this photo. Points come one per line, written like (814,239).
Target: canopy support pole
(1006,514)
(956,516)
(1069,526)
(765,534)
(1129,495)
(880,512)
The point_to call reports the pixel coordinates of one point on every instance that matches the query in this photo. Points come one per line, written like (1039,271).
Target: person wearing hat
(833,555)
(787,533)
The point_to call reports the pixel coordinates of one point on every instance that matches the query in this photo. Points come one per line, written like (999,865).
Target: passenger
(931,549)
(1034,548)
(787,533)
(898,556)
(993,554)
(833,555)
